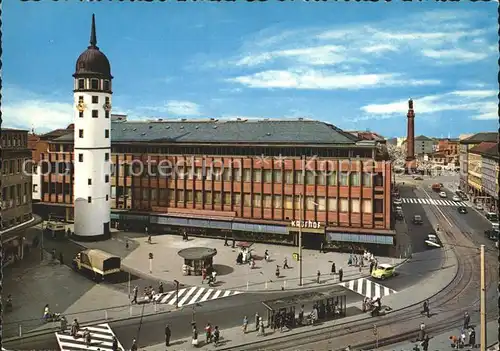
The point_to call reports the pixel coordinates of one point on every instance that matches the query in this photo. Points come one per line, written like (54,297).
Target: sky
(354,65)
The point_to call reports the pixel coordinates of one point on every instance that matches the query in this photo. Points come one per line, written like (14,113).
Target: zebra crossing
(101,339)
(189,296)
(366,287)
(412,200)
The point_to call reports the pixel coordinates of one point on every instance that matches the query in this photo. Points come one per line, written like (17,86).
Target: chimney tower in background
(411,165)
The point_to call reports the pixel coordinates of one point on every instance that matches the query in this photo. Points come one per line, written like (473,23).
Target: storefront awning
(260,228)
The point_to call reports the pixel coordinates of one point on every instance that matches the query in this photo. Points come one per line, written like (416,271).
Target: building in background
(16,212)
(466,144)
(410,162)
(239,177)
(482,168)
(491,174)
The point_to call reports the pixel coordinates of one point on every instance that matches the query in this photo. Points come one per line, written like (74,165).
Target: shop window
(344,205)
(355,205)
(277,201)
(379,179)
(217,173)
(113,191)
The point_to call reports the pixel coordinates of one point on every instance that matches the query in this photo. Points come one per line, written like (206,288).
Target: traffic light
(150,255)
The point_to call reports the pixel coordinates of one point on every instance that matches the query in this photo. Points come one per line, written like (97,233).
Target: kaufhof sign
(306,224)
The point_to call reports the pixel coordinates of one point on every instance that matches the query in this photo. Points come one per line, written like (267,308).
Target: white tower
(92,140)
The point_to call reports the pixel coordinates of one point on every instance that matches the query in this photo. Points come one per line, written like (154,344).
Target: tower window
(80,133)
(106,133)
(106,85)
(107,197)
(106,156)
(106,178)
(89,181)
(95,113)
(95,99)
(80,157)
(89,199)
(81,83)
(107,99)
(94,84)
(106,114)
(80,99)
(80,114)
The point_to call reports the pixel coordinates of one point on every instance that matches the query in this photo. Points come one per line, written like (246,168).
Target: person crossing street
(168,334)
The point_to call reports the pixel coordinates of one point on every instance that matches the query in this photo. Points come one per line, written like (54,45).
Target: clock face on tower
(107,107)
(81,107)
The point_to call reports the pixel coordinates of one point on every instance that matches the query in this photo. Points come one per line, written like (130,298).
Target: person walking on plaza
(168,334)
(466,320)
(245,324)
(216,336)
(285,264)
(334,270)
(322,248)
(372,265)
(134,345)
(318,276)
(262,329)
(194,338)
(160,288)
(277,271)
(341,274)
(208,333)
(257,319)
(472,337)
(225,240)
(114,347)
(426,309)
(87,337)
(136,292)
(425,343)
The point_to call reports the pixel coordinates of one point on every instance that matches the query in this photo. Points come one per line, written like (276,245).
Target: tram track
(460,295)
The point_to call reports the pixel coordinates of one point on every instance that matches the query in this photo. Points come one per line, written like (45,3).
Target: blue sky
(350,64)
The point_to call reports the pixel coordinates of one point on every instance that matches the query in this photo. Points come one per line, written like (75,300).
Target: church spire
(93,36)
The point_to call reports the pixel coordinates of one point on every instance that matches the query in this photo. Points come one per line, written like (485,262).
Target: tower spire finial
(93,36)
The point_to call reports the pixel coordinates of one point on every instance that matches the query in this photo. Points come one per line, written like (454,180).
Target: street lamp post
(300,239)
(483,303)
(176,293)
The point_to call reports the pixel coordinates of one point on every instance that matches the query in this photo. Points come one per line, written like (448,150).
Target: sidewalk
(234,338)
(442,341)
(167,264)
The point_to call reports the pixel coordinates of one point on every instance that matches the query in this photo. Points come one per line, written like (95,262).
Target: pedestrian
(160,288)
(208,333)
(225,240)
(285,263)
(425,343)
(114,347)
(318,275)
(355,259)
(257,319)
(64,324)
(341,274)
(61,258)
(322,248)
(75,328)
(194,340)
(426,308)
(472,338)
(53,254)
(466,320)
(421,332)
(203,274)
(454,341)
(334,270)
(277,271)
(245,324)
(87,337)
(216,336)
(234,243)
(168,333)
(126,244)
(262,329)
(150,241)
(134,345)
(372,264)
(136,292)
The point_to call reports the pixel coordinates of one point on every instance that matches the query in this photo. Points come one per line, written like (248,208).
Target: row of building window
(287,202)
(15,195)
(94,84)
(13,166)
(14,139)
(267,176)
(95,113)
(15,221)
(89,199)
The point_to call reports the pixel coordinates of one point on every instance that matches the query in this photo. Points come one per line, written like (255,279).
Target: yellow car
(383,271)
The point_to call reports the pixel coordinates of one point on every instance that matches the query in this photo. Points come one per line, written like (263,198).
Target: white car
(479,207)
(442,194)
(456,198)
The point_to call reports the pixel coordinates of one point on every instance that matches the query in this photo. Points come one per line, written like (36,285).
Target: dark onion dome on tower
(92,62)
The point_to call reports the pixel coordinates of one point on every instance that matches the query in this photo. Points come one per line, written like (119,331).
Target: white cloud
(23,109)
(177,107)
(315,79)
(480,103)
(459,55)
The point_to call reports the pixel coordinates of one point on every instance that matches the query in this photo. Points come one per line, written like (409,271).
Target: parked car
(383,271)
(418,178)
(442,194)
(462,209)
(417,219)
(432,240)
(479,207)
(491,234)
(456,198)
(492,216)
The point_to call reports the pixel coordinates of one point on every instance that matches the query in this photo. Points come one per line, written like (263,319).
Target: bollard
(20,330)
(247,286)
(106,315)
(284,284)
(266,285)
(130,311)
